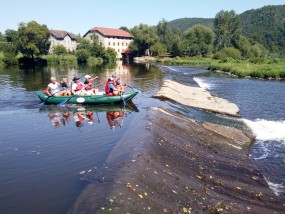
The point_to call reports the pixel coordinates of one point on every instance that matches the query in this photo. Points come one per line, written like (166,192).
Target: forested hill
(186,23)
(265,25)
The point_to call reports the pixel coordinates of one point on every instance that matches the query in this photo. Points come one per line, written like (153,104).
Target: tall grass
(264,68)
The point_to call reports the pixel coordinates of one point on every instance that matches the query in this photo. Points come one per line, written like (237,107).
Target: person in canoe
(111,88)
(77,87)
(88,86)
(119,88)
(64,85)
(53,88)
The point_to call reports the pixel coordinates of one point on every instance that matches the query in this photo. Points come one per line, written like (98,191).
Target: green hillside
(265,25)
(186,23)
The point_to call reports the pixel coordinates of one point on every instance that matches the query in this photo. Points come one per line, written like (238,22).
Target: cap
(87,76)
(114,76)
(76,78)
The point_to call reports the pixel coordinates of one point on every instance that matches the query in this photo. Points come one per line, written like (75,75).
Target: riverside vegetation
(243,45)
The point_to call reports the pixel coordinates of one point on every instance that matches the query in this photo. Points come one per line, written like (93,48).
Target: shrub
(82,56)
(231,52)
(10,59)
(256,60)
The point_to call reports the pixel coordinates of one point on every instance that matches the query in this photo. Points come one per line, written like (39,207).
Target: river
(262,109)
(45,149)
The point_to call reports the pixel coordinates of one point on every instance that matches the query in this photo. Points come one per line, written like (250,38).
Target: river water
(262,109)
(45,149)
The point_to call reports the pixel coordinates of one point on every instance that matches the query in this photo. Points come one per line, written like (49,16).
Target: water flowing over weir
(262,106)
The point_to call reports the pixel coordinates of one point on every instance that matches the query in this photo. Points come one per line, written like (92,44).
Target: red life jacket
(79,87)
(88,86)
(107,87)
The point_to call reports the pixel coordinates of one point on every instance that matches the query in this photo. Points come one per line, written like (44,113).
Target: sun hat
(76,78)
(87,76)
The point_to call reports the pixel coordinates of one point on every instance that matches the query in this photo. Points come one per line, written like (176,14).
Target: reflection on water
(43,148)
(81,116)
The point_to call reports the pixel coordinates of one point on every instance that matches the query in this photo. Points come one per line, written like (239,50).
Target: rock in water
(196,97)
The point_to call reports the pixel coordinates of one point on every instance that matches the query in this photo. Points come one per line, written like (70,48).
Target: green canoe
(86,99)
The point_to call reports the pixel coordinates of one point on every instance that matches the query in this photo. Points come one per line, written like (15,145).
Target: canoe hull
(87,100)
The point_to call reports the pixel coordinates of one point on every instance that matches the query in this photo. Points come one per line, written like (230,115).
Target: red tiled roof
(111,32)
(60,34)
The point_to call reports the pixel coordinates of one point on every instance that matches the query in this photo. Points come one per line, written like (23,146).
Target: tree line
(32,41)
(226,40)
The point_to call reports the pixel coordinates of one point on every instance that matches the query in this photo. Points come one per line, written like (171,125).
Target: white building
(117,39)
(60,37)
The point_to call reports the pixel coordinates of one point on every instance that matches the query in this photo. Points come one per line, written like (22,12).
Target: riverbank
(182,166)
(262,68)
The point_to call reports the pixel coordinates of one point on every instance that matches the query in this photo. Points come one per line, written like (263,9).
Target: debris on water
(140,195)
(82,172)
(129,185)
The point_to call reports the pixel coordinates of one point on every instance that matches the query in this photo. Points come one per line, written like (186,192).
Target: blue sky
(80,16)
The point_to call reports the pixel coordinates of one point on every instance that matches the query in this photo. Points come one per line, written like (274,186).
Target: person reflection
(113,118)
(58,118)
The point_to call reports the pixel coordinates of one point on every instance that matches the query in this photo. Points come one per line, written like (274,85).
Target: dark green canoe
(87,99)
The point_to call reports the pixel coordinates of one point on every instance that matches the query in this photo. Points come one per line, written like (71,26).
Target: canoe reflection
(79,115)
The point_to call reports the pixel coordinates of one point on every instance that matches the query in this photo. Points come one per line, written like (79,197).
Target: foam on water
(276,188)
(202,83)
(267,130)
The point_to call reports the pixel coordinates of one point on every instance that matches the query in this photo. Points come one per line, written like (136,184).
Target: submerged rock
(196,97)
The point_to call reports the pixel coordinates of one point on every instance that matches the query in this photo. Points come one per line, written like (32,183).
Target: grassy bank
(264,68)
(68,59)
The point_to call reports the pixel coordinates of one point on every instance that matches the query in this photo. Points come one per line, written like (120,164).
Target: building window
(122,44)
(101,43)
(118,43)
(119,50)
(109,43)
(114,43)
(126,44)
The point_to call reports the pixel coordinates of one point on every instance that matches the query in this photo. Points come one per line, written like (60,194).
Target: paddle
(44,102)
(134,89)
(65,101)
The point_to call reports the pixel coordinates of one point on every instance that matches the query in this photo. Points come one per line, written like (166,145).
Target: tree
(82,56)
(33,39)
(59,50)
(227,28)
(200,40)
(164,33)
(12,36)
(125,29)
(145,37)
(158,49)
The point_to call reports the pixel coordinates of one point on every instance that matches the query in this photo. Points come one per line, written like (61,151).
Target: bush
(10,59)
(256,60)
(231,52)
(82,56)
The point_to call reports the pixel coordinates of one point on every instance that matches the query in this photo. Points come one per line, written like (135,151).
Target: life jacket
(88,86)
(79,87)
(107,87)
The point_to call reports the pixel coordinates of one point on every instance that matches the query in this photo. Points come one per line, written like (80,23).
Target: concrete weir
(196,97)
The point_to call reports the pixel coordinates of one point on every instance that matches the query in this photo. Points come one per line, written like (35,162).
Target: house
(60,37)
(117,39)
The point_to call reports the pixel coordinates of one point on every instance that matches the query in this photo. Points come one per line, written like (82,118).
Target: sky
(80,16)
